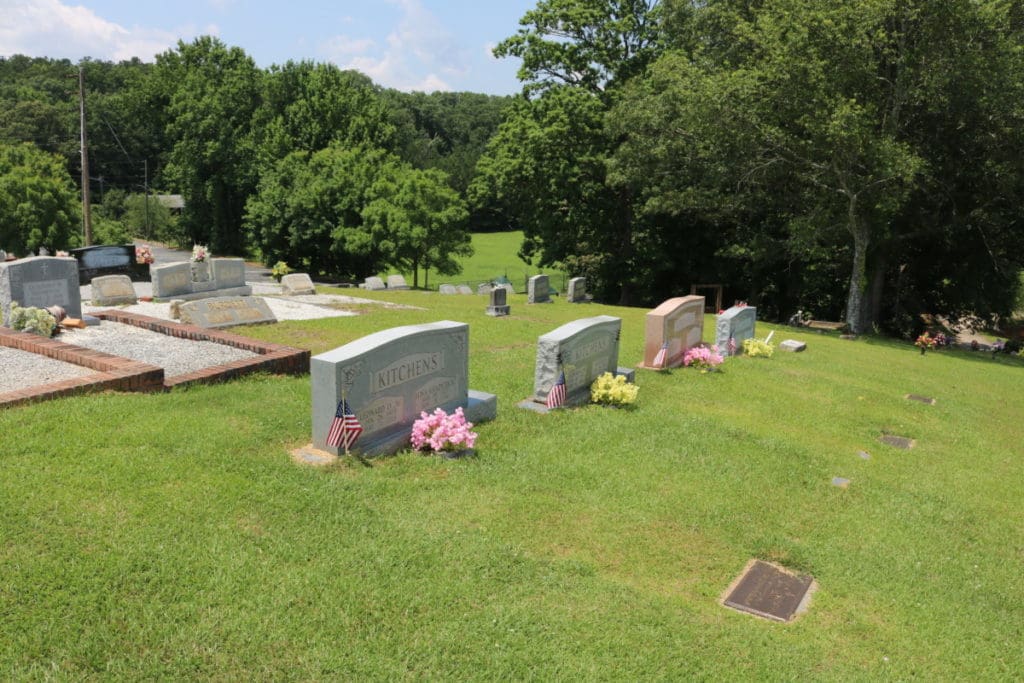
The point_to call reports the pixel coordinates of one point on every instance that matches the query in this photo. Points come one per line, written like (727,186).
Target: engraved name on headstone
(389,378)
(226,311)
(737,323)
(40,282)
(677,322)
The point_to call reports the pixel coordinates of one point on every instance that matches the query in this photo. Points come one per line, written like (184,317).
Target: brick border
(124,374)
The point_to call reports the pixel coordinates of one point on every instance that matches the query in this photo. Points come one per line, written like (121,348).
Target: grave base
(482,407)
(230,291)
(498,311)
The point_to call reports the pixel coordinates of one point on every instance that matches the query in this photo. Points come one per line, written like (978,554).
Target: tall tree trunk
(858,276)
(873,311)
(626,253)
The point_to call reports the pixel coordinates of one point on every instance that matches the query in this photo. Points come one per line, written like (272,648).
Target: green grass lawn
(495,254)
(171,536)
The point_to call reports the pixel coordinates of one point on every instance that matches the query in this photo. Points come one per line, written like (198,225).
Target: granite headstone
(39,282)
(677,324)
(374,284)
(388,378)
(583,349)
(577,292)
(499,302)
(228,272)
(736,323)
(113,290)
(227,311)
(792,345)
(397,282)
(296,284)
(447,289)
(537,290)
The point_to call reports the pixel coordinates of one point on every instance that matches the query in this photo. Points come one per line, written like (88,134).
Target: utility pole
(149,230)
(86,218)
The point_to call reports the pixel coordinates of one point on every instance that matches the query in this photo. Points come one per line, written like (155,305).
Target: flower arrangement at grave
(279,270)
(704,358)
(758,348)
(199,253)
(439,432)
(926,342)
(143,254)
(34,320)
(613,390)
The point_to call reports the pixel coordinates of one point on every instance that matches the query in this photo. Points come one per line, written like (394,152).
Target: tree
(38,202)
(214,92)
(415,219)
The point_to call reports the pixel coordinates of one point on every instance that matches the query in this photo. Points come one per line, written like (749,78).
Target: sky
(424,45)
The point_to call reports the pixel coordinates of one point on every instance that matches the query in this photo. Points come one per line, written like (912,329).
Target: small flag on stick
(556,397)
(345,428)
(732,346)
(661,357)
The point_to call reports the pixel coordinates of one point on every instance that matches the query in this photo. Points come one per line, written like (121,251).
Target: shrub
(613,390)
(30,319)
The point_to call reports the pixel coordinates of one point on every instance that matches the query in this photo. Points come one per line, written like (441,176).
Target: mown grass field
(495,254)
(171,536)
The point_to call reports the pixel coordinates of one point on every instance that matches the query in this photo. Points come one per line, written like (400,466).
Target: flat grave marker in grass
(920,399)
(864,455)
(793,346)
(841,482)
(675,326)
(902,442)
(770,592)
(226,311)
(388,378)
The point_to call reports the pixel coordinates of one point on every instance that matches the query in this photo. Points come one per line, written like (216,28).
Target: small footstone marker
(770,592)
(308,455)
(841,482)
(897,441)
(864,455)
(920,399)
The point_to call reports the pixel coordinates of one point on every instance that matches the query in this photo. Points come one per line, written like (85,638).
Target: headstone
(171,280)
(770,592)
(297,284)
(901,442)
(113,290)
(228,272)
(388,378)
(677,323)
(107,259)
(39,282)
(463,289)
(447,289)
(397,282)
(499,302)
(577,293)
(227,311)
(374,284)
(538,291)
(484,288)
(202,276)
(736,323)
(792,345)
(583,349)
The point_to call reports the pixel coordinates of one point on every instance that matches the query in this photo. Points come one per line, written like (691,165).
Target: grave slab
(40,282)
(792,346)
(388,378)
(920,399)
(297,284)
(218,312)
(677,323)
(770,592)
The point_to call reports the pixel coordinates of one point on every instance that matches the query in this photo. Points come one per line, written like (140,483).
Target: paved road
(161,254)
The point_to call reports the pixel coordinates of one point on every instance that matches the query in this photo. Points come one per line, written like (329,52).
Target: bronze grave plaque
(767,591)
(920,399)
(897,441)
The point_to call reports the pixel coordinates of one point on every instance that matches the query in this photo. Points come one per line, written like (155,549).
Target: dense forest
(861,159)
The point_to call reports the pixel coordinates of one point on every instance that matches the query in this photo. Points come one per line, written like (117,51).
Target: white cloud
(50,28)
(416,51)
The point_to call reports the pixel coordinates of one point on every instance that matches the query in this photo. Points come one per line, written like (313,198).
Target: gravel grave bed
(24,370)
(176,356)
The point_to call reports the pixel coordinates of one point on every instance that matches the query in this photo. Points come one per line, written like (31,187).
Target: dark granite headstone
(108,259)
(766,591)
(40,282)
(226,311)
(499,302)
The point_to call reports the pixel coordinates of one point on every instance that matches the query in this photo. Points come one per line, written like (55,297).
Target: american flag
(661,357)
(345,428)
(732,346)
(556,397)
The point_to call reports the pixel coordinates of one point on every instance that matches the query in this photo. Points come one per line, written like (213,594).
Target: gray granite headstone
(464,289)
(389,378)
(447,289)
(484,288)
(374,283)
(584,349)
(113,290)
(577,293)
(296,284)
(499,302)
(538,291)
(228,272)
(792,345)
(397,282)
(226,311)
(736,323)
(40,282)
(171,280)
